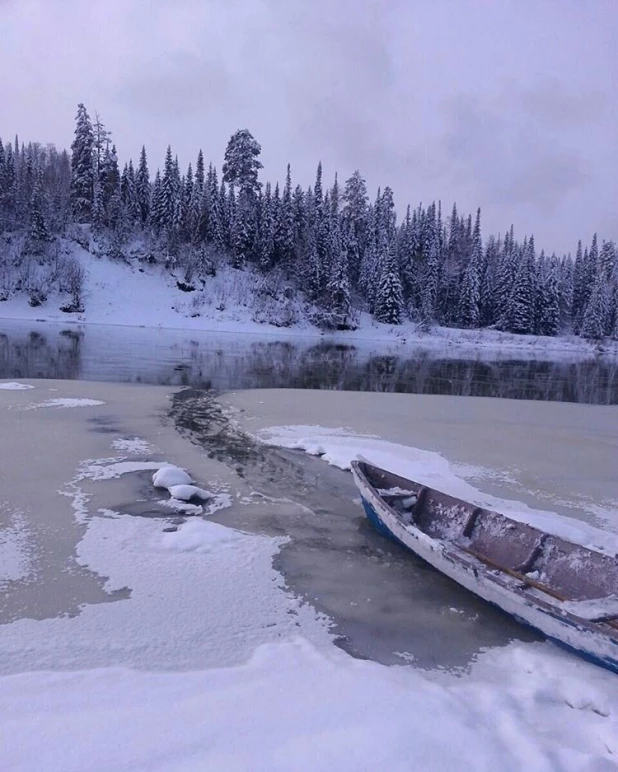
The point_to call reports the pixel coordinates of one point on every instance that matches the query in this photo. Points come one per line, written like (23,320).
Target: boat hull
(564,629)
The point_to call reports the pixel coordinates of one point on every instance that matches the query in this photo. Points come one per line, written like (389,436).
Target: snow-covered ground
(138,294)
(201,658)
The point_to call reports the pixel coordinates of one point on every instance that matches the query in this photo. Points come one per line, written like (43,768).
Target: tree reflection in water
(229,361)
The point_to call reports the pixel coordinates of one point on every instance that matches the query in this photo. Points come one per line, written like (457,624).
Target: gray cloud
(512,157)
(505,105)
(551,102)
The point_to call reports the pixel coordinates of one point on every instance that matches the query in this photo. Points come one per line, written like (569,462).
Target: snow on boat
(567,591)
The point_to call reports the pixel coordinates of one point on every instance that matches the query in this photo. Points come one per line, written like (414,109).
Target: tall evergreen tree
(197,202)
(267,224)
(566,279)
(520,309)
(354,216)
(587,277)
(39,232)
(470,299)
(430,274)
(488,310)
(142,187)
(157,211)
(128,190)
(595,319)
(82,172)
(242,165)
(284,234)
(170,193)
(338,294)
(389,296)
(548,313)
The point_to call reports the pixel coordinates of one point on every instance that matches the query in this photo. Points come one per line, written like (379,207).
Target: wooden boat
(564,590)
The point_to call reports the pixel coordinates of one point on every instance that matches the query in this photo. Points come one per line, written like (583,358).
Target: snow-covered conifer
(242,165)
(82,172)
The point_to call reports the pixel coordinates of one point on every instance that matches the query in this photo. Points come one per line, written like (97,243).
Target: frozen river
(382,601)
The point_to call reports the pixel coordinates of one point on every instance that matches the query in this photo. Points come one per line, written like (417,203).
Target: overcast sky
(510,105)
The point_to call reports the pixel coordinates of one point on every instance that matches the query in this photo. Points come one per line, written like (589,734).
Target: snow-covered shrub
(36,280)
(80,234)
(275,301)
(208,260)
(72,281)
(11,255)
(333,321)
(230,287)
(7,281)
(196,306)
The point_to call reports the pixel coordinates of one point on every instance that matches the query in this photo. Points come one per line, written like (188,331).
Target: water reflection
(227,361)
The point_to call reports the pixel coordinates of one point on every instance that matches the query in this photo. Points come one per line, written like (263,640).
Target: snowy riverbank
(140,295)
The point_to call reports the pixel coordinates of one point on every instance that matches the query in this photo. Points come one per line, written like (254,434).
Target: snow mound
(66,402)
(133,445)
(14,386)
(188,492)
(170,476)
(199,536)
(110,468)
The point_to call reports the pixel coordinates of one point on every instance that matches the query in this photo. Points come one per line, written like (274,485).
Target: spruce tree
(39,232)
(595,319)
(548,320)
(488,311)
(128,190)
(188,223)
(196,205)
(430,272)
(142,187)
(406,257)
(109,181)
(284,237)
(454,266)
(389,296)
(266,243)
(565,293)
(588,274)
(520,308)
(338,293)
(300,216)
(354,216)
(507,269)
(614,327)
(608,260)
(170,190)
(157,216)
(82,172)
(470,298)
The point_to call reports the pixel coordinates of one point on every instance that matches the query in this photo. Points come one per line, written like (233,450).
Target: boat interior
(565,571)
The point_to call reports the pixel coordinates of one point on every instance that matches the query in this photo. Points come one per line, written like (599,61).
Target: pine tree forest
(335,247)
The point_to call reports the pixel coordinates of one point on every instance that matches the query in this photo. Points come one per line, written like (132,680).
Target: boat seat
(441,516)
(577,572)
(504,542)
